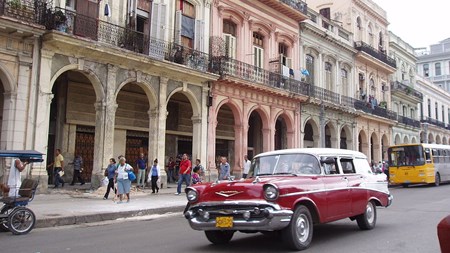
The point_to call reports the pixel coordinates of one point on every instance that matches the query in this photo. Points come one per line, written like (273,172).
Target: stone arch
(430,138)
(405,139)
(375,149)
(262,113)
(8,80)
(311,133)
(234,107)
(444,141)
(397,139)
(286,138)
(331,134)
(257,26)
(146,87)
(89,73)
(384,147)
(438,139)
(413,140)
(231,14)
(363,144)
(195,104)
(346,138)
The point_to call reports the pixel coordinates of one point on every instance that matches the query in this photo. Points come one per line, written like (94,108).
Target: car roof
(315,152)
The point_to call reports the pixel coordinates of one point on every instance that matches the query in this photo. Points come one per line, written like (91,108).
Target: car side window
(347,166)
(330,169)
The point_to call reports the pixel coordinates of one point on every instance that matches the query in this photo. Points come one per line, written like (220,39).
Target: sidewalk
(77,205)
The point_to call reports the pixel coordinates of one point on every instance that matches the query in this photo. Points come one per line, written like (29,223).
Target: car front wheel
(368,219)
(219,237)
(298,235)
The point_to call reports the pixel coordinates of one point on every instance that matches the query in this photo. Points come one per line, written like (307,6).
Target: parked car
(287,193)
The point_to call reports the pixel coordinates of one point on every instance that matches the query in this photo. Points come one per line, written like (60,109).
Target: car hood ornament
(228,194)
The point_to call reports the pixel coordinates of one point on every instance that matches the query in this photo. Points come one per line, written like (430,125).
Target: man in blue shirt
(142,166)
(224,172)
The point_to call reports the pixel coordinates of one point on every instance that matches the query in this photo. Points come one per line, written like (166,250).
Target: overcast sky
(419,23)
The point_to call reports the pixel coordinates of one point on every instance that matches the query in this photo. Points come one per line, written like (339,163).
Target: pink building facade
(255,104)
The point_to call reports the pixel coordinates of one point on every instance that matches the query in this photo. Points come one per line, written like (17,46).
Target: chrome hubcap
(369,212)
(302,228)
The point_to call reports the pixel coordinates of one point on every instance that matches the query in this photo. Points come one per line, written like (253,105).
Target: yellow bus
(419,164)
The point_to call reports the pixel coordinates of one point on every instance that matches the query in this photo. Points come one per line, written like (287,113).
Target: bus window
(427,155)
(406,156)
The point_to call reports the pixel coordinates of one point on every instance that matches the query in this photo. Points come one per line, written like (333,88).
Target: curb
(90,218)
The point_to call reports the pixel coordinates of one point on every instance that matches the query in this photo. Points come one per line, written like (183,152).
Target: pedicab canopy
(29,155)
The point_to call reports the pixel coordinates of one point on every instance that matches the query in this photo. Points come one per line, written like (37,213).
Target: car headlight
(192,195)
(270,192)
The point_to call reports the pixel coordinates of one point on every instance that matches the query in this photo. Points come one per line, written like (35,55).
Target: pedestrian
(201,170)
(123,183)
(185,173)
(247,164)
(154,176)
(77,165)
(224,169)
(14,179)
(110,173)
(171,170)
(58,165)
(196,176)
(141,163)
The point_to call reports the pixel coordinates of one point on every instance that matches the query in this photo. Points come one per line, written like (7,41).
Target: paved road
(409,225)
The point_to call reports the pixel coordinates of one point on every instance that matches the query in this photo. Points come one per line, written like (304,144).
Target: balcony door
(86,18)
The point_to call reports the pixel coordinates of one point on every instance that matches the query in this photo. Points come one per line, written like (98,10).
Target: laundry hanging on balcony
(305,72)
(107,10)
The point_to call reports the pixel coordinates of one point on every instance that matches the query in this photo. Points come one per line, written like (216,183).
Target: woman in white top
(123,183)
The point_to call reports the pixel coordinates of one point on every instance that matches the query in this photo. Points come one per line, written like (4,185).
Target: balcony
(225,66)
(400,88)
(375,110)
(70,22)
(433,122)
(366,48)
(408,121)
(295,9)
(30,11)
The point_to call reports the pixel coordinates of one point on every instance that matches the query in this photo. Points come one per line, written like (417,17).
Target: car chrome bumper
(268,219)
(390,199)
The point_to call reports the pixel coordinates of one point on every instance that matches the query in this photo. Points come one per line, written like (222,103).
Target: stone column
(158,128)
(9,107)
(22,108)
(42,119)
(236,168)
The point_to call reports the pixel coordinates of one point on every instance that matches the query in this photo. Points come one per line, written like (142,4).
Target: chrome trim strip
(329,190)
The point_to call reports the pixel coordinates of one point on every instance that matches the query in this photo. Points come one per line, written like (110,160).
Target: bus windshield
(406,156)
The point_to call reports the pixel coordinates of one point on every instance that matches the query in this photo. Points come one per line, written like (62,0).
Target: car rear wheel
(368,219)
(219,237)
(298,235)
(437,179)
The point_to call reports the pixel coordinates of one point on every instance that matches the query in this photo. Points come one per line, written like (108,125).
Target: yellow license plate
(224,222)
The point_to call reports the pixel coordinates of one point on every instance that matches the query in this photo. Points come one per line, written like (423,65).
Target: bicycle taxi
(15,216)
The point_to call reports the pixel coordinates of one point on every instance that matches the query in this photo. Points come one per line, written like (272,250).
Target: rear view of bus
(412,164)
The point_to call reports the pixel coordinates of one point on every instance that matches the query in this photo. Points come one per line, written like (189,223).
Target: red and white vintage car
(287,192)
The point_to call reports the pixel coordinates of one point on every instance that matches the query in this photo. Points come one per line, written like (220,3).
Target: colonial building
(434,112)
(255,105)
(404,96)
(368,24)
(328,118)
(111,78)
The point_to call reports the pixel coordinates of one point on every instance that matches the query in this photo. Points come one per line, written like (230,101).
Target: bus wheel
(437,179)
(405,185)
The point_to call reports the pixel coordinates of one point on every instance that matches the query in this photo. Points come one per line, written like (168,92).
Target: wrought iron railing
(324,95)
(364,47)
(298,5)
(433,122)
(408,121)
(71,22)
(398,86)
(375,110)
(225,66)
(31,11)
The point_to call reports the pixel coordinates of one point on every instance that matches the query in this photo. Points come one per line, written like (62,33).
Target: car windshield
(291,164)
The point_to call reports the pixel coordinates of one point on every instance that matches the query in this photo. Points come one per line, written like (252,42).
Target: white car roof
(315,152)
